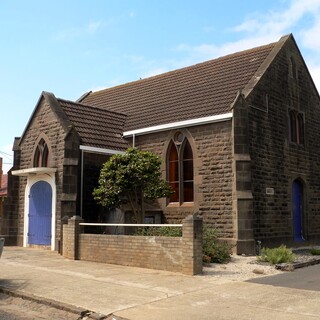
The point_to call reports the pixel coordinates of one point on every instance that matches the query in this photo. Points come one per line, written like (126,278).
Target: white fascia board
(100,150)
(179,124)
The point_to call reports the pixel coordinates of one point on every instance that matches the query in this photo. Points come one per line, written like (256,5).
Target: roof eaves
(180,124)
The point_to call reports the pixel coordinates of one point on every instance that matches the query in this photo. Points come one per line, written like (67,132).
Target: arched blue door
(40,213)
(297,210)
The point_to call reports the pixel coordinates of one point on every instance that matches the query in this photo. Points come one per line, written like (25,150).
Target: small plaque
(270,191)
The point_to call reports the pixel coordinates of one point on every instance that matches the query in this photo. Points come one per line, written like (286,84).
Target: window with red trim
(180,169)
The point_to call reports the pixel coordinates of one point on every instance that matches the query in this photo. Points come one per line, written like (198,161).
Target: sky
(69,47)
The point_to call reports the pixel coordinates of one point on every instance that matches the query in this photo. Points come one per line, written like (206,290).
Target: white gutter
(179,124)
(100,150)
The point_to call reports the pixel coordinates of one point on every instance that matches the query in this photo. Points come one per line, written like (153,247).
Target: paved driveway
(307,278)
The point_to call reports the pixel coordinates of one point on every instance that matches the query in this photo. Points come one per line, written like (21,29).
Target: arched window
(293,126)
(41,155)
(300,129)
(293,68)
(296,127)
(174,172)
(180,169)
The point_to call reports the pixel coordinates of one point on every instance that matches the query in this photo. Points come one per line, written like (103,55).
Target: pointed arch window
(41,155)
(293,126)
(296,127)
(180,169)
(300,129)
(293,68)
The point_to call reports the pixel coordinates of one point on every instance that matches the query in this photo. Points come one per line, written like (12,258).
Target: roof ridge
(90,106)
(130,83)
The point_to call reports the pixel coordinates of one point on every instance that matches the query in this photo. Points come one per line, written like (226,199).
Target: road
(307,278)
(12,308)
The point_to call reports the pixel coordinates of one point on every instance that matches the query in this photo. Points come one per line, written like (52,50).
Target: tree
(135,175)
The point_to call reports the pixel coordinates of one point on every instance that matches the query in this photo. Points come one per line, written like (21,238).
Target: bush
(315,252)
(159,232)
(281,254)
(213,250)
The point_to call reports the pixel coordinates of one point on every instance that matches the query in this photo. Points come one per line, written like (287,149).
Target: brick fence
(177,254)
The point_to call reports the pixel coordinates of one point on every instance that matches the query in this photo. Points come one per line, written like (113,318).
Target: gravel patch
(242,268)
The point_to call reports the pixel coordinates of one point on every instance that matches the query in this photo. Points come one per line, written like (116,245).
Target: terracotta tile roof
(201,90)
(96,127)
(4,186)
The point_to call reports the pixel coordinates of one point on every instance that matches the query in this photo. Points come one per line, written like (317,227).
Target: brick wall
(163,253)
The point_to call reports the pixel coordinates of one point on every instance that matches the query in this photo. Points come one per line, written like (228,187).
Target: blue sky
(69,47)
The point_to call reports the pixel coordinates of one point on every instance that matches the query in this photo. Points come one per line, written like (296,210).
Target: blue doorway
(40,214)
(297,210)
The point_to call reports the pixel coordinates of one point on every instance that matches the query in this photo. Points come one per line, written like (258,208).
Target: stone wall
(44,123)
(213,175)
(183,254)
(276,161)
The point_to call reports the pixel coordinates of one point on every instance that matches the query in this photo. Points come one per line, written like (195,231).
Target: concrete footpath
(119,292)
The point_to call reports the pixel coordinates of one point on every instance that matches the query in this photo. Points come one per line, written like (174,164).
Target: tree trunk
(142,207)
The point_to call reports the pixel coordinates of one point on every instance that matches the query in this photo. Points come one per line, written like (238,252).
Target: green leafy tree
(135,175)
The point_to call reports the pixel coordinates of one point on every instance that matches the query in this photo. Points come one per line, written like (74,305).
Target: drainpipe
(81,183)
(133,140)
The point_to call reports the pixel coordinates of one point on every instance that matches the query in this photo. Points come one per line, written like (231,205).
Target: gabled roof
(202,90)
(4,185)
(96,127)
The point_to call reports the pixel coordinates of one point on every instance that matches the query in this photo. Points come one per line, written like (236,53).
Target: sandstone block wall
(276,161)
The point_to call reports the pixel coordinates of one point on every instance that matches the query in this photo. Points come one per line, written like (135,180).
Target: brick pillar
(71,232)
(192,245)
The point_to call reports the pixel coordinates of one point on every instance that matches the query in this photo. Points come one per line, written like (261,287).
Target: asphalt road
(307,278)
(12,308)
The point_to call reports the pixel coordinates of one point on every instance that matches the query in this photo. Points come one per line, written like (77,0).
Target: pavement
(119,292)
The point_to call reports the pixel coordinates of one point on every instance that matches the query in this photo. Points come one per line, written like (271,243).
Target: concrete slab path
(135,293)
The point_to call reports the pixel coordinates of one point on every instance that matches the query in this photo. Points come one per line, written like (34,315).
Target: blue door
(297,209)
(40,206)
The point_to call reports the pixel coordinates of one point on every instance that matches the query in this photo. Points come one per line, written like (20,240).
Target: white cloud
(299,17)
(314,69)
(209,51)
(153,72)
(89,29)
(311,37)
(93,27)
(280,22)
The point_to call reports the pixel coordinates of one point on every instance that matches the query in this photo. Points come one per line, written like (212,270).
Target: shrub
(277,255)
(159,232)
(315,252)
(213,250)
